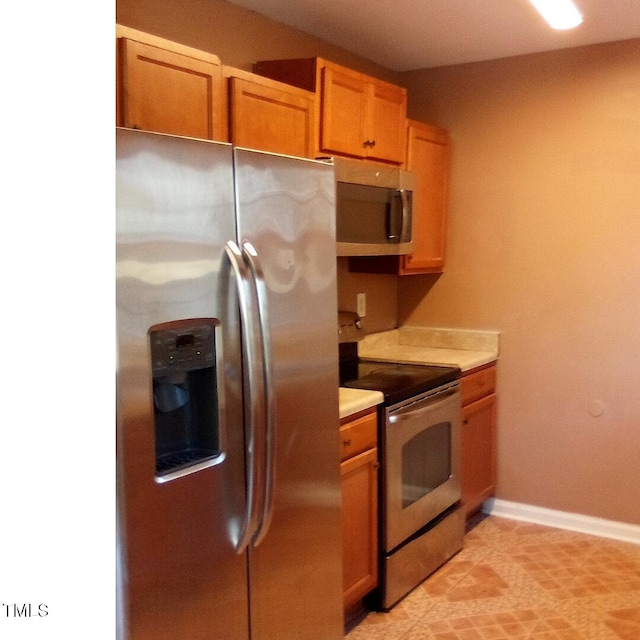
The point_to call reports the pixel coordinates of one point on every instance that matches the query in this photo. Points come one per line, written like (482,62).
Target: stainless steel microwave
(373,208)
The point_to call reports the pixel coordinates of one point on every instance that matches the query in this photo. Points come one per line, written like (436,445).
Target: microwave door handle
(241,274)
(267,391)
(399,196)
(391,219)
(405,230)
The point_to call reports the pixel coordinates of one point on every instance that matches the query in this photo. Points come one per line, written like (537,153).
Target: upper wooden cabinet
(167,87)
(428,158)
(357,115)
(269,115)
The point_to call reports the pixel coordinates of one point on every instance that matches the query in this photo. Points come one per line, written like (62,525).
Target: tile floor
(520,581)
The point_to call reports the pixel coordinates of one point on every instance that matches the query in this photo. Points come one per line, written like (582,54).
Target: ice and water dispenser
(185,401)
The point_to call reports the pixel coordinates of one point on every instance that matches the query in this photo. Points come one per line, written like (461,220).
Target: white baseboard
(563,520)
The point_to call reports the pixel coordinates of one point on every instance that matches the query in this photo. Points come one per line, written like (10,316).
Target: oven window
(426,462)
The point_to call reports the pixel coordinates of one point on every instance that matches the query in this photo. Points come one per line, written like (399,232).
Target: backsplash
(381,296)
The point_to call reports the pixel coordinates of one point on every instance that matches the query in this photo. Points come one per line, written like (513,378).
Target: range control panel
(186,347)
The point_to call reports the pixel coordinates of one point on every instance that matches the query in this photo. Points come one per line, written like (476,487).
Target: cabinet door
(357,115)
(359,525)
(385,130)
(269,118)
(343,110)
(478,452)
(428,158)
(170,92)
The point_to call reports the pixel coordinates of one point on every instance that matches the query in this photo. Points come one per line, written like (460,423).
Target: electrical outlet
(361,304)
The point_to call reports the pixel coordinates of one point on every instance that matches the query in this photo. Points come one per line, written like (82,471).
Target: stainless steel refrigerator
(227,393)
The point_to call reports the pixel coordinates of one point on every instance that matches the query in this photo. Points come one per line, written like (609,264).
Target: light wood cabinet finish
(387,111)
(269,115)
(477,384)
(167,87)
(343,99)
(357,115)
(428,158)
(478,438)
(359,473)
(358,434)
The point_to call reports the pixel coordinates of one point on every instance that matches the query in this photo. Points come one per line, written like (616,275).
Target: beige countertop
(354,400)
(467,349)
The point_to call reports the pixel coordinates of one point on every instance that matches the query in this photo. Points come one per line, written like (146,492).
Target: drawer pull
(346,443)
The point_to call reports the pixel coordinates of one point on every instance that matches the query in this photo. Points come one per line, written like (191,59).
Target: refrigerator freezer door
(180,575)
(285,211)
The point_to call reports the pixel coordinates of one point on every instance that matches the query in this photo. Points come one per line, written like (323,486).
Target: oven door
(421,461)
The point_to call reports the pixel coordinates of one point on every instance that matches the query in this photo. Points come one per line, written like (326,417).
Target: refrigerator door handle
(250,354)
(268,425)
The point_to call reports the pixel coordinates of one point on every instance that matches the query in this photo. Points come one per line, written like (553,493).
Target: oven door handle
(427,405)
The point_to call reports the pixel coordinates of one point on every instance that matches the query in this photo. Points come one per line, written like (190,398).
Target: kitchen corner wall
(544,247)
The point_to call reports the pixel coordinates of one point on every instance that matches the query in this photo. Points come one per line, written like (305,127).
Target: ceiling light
(560,14)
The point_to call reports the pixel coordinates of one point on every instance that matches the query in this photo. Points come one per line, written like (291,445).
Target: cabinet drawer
(358,435)
(477,385)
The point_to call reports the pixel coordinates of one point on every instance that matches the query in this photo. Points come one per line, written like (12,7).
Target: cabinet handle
(346,443)
(369,143)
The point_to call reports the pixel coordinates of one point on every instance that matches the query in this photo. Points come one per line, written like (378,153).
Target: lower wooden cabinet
(359,473)
(478,438)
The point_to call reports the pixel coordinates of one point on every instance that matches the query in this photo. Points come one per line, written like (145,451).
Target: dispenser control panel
(185,347)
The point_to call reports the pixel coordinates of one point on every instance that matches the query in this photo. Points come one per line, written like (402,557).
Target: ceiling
(415,34)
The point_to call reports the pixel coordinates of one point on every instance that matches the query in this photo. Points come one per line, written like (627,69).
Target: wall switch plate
(361,304)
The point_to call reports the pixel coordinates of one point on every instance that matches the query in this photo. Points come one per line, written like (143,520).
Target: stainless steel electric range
(421,523)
